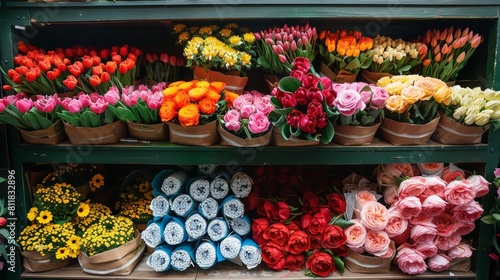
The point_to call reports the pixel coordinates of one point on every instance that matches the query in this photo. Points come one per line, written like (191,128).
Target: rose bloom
(391,194)
(464,228)
(412,94)
(348,102)
(332,237)
(273,255)
(294,262)
(320,263)
(396,103)
(428,249)
(356,235)
(410,261)
(258,227)
(409,207)
(294,226)
(459,192)
(314,224)
(258,123)
(450,174)
(189,115)
(433,205)
(277,233)
(281,211)
(363,197)
(432,169)
(374,215)
(298,243)
(422,219)
(446,243)
(445,223)
(336,202)
(311,203)
(430,86)
(468,212)
(480,184)
(421,233)
(398,169)
(377,242)
(396,225)
(462,250)
(385,179)
(440,262)
(414,186)
(434,185)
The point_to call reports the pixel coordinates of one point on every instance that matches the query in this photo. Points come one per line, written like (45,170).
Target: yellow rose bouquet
(414,99)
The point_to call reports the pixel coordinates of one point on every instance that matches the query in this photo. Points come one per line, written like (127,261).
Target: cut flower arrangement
(24,113)
(86,110)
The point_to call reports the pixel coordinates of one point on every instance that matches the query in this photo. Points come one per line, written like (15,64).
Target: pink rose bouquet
(359,103)
(28,114)
(304,104)
(249,115)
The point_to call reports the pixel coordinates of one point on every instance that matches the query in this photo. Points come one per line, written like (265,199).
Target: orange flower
(175,84)
(207,106)
(189,115)
(197,93)
(218,86)
(167,110)
(230,97)
(170,92)
(186,85)
(203,84)
(181,99)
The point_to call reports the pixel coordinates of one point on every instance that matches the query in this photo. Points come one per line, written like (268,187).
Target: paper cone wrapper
(52,135)
(35,262)
(199,135)
(119,267)
(449,132)
(106,134)
(359,263)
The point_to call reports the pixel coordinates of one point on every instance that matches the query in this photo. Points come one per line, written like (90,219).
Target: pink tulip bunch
(26,113)
(279,46)
(87,110)
(249,115)
(136,105)
(449,51)
(163,68)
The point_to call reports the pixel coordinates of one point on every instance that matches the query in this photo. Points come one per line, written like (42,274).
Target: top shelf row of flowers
(437,53)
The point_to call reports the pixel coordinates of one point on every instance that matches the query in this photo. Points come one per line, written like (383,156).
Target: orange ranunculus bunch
(194,102)
(345,50)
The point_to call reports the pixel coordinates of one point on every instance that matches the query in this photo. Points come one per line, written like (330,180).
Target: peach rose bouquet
(414,99)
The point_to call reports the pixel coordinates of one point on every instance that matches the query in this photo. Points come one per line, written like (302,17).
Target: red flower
(311,203)
(294,262)
(333,237)
(252,201)
(301,96)
(308,123)
(315,108)
(3,221)
(340,251)
(266,209)
(277,233)
(105,77)
(110,67)
(310,80)
(273,255)
(288,100)
(31,75)
(123,68)
(320,264)
(258,227)
(70,82)
(281,211)
(294,118)
(301,64)
(336,202)
(298,242)
(95,80)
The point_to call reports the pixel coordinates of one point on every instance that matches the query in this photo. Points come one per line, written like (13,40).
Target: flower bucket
(360,263)
(119,261)
(144,131)
(199,135)
(233,81)
(340,76)
(106,134)
(348,135)
(373,77)
(462,264)
(400,133)
(449,132)
(34,262)
(278,140)
(229,139)
(51,135)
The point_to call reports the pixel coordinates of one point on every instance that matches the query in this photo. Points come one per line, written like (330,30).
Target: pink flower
(326,82)
(155,100)
(428,249)
(99,106)
(379,97)
(462,250)
(398,169)
(480,185)
(410,261)
(459,192)
(432,169)
(434,185)
(445,223)
(440,262)
(84,100)
(391,194)
(409,207)
(433,205)
(263,104)
(396,225)
(293,118)
(377,242)
(423,233)
(246,110)
(446,243)
(374,216)
(24,105)
(310,80)
(452,172)
(414,186)
(348,102)
(159,87)
(362,197)
(308,123)
(422,219)
(130,98)
(2,106)
(496,172)
(232,120)
(468,212)
(112,96)
(74,106)
(356,235)
(258,123)
(240,101)
(46,104)
(464,228)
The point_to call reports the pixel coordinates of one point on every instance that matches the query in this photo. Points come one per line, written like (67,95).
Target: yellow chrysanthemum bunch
(58,203)
(96,211)
(59,241)
(107,233)
(138,211)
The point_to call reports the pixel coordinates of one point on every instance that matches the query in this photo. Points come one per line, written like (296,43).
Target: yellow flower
(83,210)
(74,242)
(97,181)
(179,27)
(32,213)
(225,32)
(249,37)
(62,253)
(45,217)
(205,30)
(235,40)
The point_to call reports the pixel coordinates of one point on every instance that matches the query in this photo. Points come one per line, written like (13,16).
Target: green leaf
(109,117)
(367,120)
(285,131)
(289,84)
(276,102)
(91,119)
(31,120)
(327,133)
(295,132)
(342,223)
(5,233)
(496,216)
(3,252)
(339,264)
(42,120)
(70,118)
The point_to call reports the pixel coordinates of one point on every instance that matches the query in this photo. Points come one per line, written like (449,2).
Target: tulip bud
(465,32)
(436,49)
(458,33)
(459,112)
(470,36)
(463,41)
(434,42)
(282,58)
(475,41)
(438,57)
(269,41)
(461,57)
(304,40)
(495,115)
(427,37)
(449,39)
(482,118)
(426,62)
(443,35)
(294,46)
(456,44)
(470,119)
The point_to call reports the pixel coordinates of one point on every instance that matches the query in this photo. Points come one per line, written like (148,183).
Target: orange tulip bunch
(345,50)
(449,51)
(194,102)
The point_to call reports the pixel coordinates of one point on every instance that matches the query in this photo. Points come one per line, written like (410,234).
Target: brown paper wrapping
(143,131)
(35,262)
(463,265)
(372,77)
(400,133)
(51,135)
(106,134)
(340,76)
(120,267)
(229,139)
(278,140)
(449,132)
(114,254)
(271,81)
(348,135)
(199,135)
(359,263)
(233,81)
